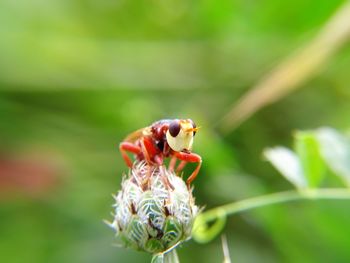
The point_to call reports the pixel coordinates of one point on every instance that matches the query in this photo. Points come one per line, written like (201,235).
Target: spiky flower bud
(154,210)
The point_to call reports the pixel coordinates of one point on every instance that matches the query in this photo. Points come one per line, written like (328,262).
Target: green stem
(203,234)
(166,257)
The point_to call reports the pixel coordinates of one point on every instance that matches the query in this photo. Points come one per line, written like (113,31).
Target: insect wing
(134,136)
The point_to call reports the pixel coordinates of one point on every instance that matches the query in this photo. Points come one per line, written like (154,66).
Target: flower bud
(154,210)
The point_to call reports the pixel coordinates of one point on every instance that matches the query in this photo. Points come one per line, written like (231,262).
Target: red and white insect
(163,139)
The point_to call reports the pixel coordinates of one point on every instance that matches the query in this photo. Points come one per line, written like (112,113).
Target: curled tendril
(205,229)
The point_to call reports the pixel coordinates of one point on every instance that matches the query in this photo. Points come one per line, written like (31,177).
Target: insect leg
(150,151)
(192,158)
(172,163)
(181,166)
(125,147)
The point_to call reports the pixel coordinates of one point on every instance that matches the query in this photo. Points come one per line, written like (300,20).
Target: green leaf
(288,164)
(307,148)
(335,149)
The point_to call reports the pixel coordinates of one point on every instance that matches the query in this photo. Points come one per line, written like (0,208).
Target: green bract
(154,210)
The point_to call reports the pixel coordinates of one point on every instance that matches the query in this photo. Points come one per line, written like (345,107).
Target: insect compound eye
(174,128)
(194,126)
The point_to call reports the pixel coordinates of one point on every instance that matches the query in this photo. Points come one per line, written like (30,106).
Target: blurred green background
(77,76)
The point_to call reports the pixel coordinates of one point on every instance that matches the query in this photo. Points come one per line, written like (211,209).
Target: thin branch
(292,72)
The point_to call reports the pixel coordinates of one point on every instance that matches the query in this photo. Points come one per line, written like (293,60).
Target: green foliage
(315,150)
(307,149)
(335,149)
(288,164)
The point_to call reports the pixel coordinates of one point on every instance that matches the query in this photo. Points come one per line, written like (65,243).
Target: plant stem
(275,198)
(203,231)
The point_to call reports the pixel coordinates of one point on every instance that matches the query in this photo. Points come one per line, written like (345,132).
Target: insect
(163,139)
